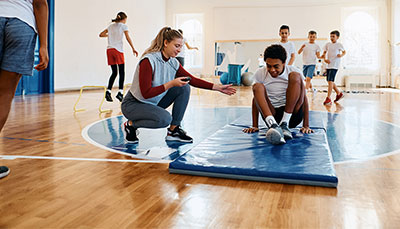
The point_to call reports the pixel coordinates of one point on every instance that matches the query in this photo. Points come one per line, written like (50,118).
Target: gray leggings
(152,116)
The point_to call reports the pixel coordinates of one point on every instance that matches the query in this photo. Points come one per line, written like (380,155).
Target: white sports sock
(121,91)
(270,120)
(108,90)
(286,117)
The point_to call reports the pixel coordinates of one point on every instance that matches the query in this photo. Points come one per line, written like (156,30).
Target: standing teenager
(115,53)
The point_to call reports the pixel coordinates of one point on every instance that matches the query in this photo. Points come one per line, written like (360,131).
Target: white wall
(80,55)
(264,22)
(256,19)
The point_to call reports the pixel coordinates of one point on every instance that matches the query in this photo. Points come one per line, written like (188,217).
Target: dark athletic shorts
(294,121)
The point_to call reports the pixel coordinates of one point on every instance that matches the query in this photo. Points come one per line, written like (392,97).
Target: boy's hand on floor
(250,130)
(306,130)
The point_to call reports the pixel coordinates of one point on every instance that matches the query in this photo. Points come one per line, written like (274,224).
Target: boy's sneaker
(120,96)
(328,101)
(108,96)
(275,135)
(130,133)
(286,132)
(4,171)
(339,97)
(178,135)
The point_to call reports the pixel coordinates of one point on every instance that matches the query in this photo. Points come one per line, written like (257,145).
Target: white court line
(86,136)
(368,158)
(13,157)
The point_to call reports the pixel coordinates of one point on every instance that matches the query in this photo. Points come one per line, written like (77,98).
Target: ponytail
(120,16)
(165,33)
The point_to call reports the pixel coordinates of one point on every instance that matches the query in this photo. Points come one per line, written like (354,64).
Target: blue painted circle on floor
(350,137)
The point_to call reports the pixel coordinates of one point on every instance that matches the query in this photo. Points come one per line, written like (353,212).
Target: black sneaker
(4,171)
(275,135)
(120,96)
(178,135)
(286,132)
(108,96)
(130,133)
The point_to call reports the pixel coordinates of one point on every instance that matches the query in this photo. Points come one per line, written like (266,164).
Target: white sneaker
(275,135)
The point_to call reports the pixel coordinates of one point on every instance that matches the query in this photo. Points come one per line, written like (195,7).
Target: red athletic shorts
(115,57)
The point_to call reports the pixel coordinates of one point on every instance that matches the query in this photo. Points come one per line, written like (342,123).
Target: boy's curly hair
(275,52)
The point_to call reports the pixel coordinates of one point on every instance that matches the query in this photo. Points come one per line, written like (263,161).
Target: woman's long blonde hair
(165,33)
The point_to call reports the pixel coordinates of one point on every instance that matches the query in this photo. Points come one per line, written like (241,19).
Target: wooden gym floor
(49,189)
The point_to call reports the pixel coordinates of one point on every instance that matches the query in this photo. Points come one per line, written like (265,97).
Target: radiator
(359,81)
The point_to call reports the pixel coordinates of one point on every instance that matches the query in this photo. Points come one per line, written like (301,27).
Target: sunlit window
(192,26)
(360,40)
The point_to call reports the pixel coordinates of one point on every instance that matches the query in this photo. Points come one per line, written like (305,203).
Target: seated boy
(279,95)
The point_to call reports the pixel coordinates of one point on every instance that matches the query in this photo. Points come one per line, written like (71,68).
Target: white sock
(108,90)
(270,120)
(121,91)
(286,117)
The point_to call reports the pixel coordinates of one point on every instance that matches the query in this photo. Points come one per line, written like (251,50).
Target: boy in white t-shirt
(279,96)
(284,33)
(333,51)
(311,51)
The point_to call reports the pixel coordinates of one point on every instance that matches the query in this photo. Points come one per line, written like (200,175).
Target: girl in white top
(115,53)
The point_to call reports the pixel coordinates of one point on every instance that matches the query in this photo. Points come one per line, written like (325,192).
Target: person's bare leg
(336,89)
(263,104)
(274,134)
(294,93)
(8,85)
(330,86)
(308,83)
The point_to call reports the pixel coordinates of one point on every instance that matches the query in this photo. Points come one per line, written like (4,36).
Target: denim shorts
(17,46)
(308,70)
(331,74)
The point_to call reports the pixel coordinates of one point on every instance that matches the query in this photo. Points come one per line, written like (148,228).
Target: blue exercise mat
(230,153)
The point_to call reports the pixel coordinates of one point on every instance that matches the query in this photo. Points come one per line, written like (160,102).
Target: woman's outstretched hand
(226,89)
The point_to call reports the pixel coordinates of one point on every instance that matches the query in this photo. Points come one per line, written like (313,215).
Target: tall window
(396,32)
(192,27)
(360,40)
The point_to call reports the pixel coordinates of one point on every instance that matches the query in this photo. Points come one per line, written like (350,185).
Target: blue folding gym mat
(230,153)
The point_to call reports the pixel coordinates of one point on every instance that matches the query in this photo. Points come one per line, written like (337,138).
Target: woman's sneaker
(275,135)
(286,132)
(130,133)
(178,135)
(4,171)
